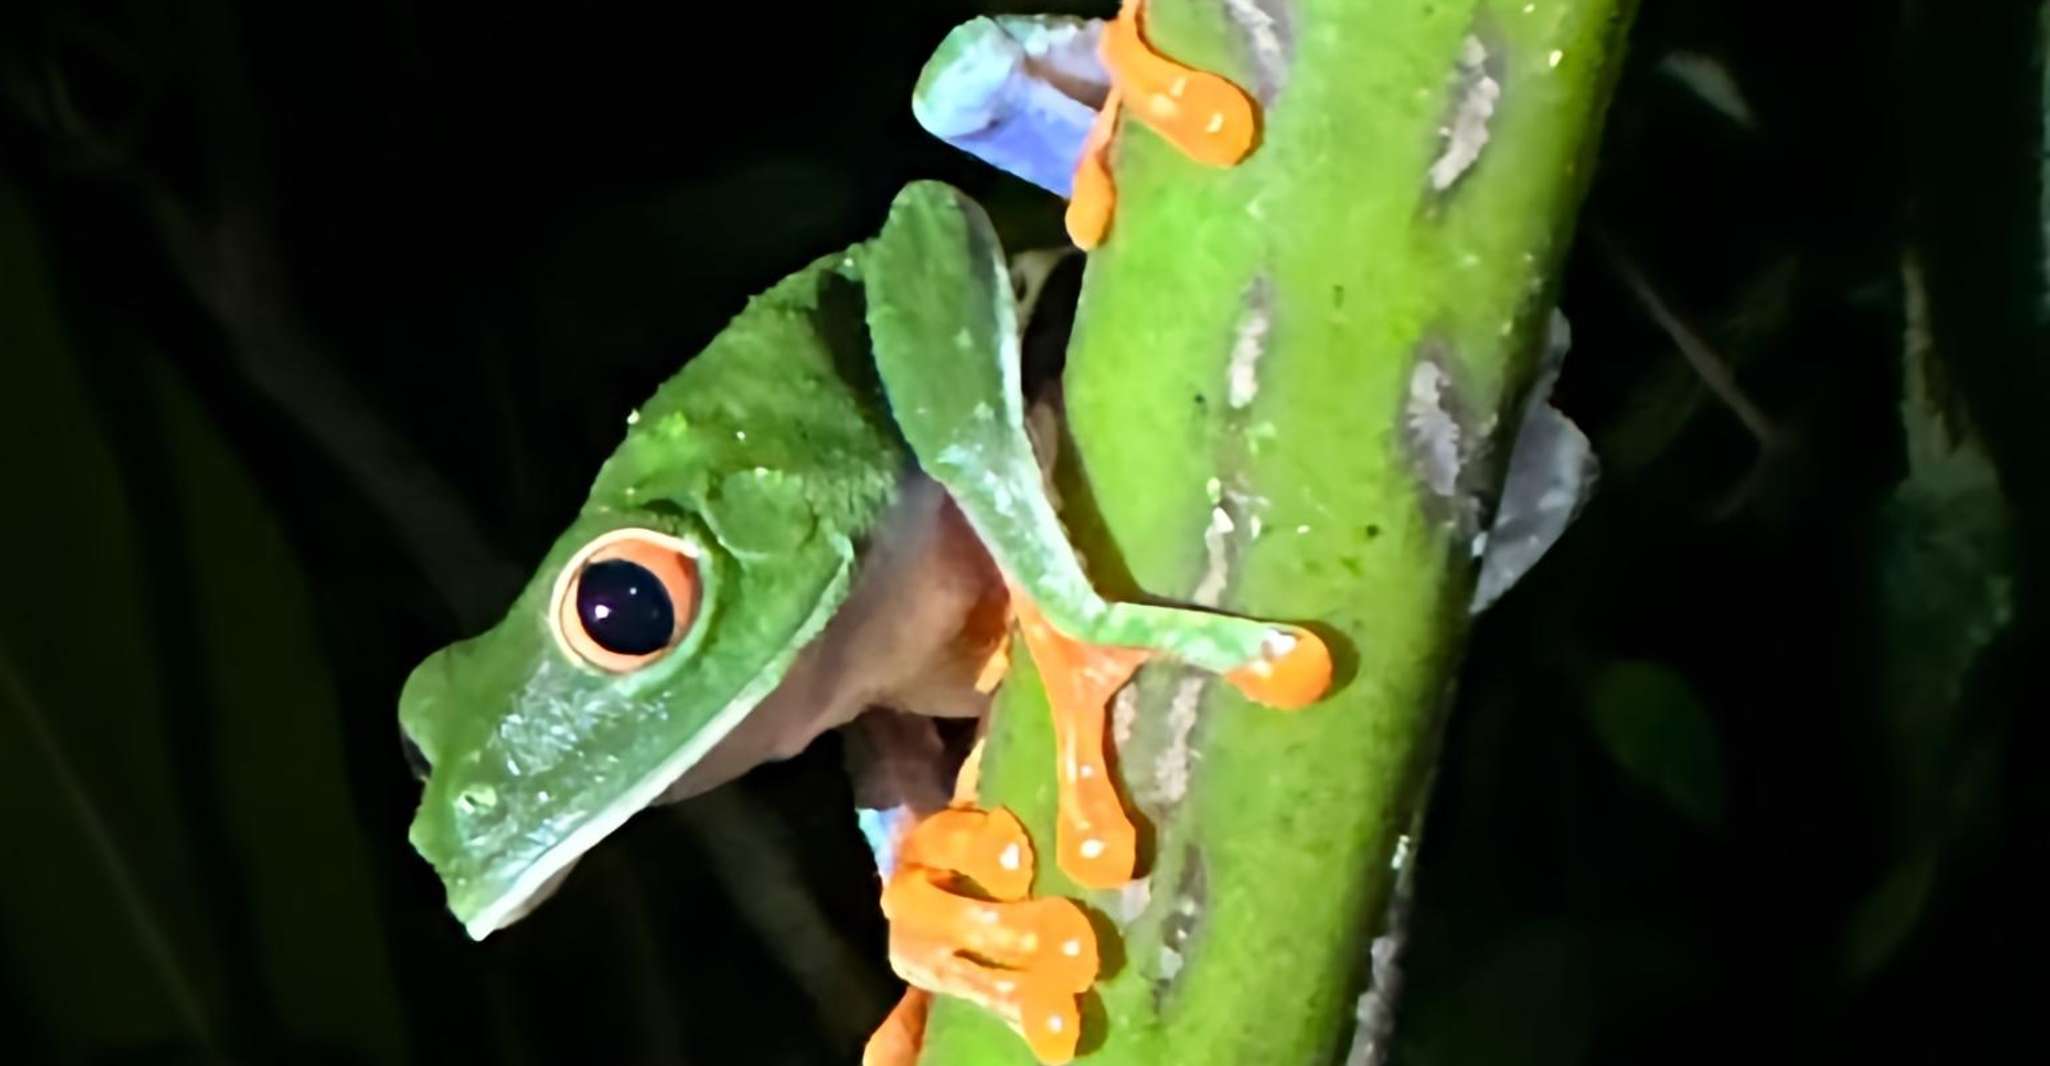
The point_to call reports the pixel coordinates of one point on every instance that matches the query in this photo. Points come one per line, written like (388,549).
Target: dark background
(316,320)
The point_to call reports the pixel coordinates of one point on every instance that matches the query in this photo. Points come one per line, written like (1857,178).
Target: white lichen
(1124,715)
(1433,431)
(1465,132)
(1242,376)
(1217,555)
(1172,769)
(1268,39)
(1374,1014)
(1133,899)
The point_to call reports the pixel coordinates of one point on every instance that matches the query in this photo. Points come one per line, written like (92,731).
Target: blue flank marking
(881,829)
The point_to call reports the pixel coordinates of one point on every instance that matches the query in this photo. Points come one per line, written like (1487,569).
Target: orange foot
(1094,841)
(1204,116)
(960,925)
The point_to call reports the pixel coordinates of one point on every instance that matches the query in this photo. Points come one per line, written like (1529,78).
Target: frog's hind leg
(961,925)
(1204,116)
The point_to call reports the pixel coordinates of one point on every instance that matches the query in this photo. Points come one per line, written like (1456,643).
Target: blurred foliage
(319,318)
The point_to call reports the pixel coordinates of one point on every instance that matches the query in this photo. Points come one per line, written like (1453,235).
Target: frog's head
(590,654)
(670,608)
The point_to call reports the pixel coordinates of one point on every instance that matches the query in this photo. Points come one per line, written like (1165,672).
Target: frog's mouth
(526,888)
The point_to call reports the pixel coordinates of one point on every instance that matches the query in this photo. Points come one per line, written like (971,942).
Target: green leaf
(1651,722)
(1946,563)
(1881,922)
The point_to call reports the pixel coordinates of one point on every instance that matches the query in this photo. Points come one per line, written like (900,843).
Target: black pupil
(624,608)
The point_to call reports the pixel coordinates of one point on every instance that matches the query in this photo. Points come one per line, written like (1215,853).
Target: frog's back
(789,388)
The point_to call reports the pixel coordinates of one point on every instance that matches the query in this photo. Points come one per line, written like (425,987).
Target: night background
(318,319)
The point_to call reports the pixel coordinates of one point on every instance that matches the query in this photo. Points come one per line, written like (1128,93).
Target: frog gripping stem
(1205,117)
(1094,841)
(1286,393)
(961,925)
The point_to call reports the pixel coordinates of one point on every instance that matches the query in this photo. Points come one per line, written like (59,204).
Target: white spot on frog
(1011,857)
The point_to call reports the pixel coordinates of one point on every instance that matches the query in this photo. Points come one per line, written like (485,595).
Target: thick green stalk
(1286,391)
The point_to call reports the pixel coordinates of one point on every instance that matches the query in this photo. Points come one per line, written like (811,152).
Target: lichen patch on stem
(1171,771)
(1445,443)
(1181,927)
(1249,344)
(1464,133)
(1438,442)
(1269,32)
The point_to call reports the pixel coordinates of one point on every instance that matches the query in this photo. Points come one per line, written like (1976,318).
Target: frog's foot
(1281,666)
(1204,116)
(1094,841)
(1292,672)
(960,925)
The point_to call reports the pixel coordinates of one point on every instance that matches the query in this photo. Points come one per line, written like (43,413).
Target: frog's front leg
(1017,91)
(944,327)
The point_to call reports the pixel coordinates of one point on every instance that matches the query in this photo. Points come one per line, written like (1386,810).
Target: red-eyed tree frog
(808,520)
(835,507)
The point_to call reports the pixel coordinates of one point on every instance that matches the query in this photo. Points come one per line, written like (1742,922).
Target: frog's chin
(511,909)
(531,886)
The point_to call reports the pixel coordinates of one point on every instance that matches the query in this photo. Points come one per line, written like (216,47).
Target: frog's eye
(625,599)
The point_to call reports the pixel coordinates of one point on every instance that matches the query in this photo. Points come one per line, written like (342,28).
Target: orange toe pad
(1294,673)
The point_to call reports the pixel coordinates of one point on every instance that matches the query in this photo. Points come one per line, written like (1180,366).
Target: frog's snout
(420,705)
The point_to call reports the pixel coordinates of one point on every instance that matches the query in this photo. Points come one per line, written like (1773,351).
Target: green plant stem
(1286,392)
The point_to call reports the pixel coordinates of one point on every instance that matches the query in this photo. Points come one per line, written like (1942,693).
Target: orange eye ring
(659,562)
